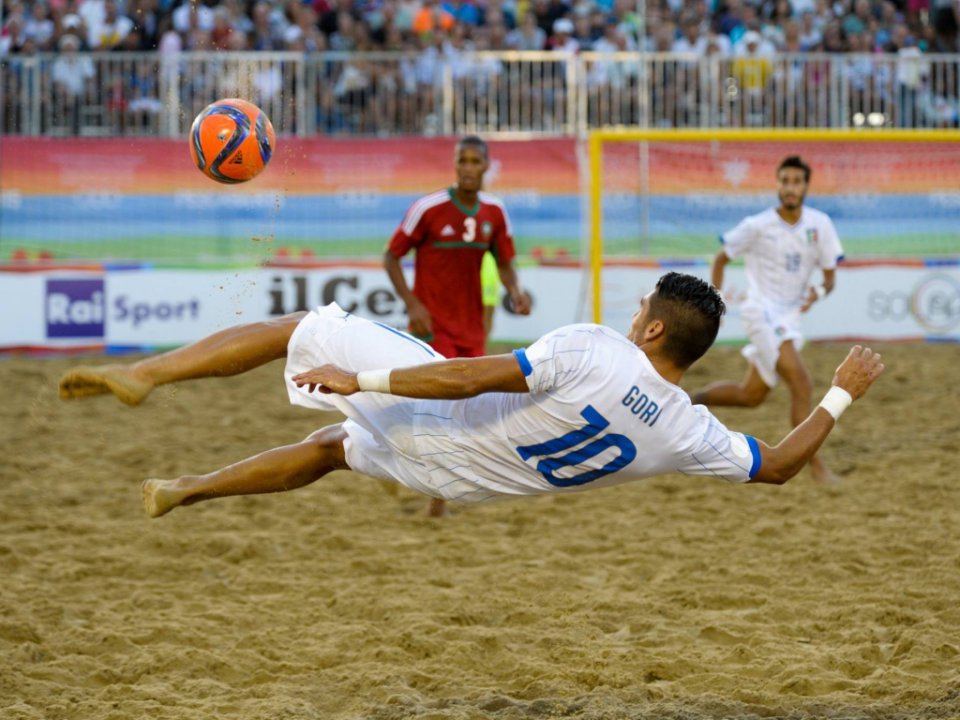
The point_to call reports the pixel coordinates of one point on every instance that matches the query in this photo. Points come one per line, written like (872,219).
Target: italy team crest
(811,236)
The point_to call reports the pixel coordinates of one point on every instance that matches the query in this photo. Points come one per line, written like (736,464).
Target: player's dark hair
(690,310)
(794,161)
(474,142)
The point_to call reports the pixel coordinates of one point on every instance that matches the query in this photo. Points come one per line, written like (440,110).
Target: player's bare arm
(519,298)
(816,293)
(420,321)
(829,280)
(444,380)
(720,261)
(855,375)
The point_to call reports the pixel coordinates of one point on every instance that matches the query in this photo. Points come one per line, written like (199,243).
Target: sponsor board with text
(148,308)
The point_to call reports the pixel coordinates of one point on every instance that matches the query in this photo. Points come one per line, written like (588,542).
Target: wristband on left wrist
(374,381)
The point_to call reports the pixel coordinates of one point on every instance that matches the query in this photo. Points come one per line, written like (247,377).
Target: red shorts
(450,348)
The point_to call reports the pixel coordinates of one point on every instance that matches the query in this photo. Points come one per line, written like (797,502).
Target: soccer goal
(663,193)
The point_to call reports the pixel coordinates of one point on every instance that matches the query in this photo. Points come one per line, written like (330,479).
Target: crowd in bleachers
(762,63)
(695,26)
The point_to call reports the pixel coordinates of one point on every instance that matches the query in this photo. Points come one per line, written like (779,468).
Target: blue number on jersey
(595,424)
(793,262)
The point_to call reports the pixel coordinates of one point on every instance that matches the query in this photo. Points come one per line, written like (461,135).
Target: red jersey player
(450,230)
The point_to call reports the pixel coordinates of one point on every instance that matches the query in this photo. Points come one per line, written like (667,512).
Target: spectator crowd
(689,26)
(750,35)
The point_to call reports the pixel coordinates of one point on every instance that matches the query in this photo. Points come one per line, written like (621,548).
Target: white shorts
(379,427)
(767,331)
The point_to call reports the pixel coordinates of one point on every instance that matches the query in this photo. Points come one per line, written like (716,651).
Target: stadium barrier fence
(443,92)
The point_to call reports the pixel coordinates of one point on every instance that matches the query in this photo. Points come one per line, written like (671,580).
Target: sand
(670,598)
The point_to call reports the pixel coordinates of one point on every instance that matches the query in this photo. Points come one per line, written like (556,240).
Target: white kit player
(782,248)
(582,407)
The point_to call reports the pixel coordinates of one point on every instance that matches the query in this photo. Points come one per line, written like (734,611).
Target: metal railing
(448,92)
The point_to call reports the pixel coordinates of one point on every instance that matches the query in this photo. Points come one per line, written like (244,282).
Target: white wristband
(374,381)
(836,401)
(820,291)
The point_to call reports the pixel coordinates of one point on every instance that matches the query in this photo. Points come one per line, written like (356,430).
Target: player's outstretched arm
(444,380)
(420,321)
(855,375)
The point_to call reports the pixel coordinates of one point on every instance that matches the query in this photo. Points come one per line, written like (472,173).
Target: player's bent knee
(328,441)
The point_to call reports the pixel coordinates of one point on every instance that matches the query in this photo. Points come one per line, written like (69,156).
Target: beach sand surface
(676,597)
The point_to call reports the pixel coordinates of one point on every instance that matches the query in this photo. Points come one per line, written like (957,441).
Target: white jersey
(597,414)
(780,258)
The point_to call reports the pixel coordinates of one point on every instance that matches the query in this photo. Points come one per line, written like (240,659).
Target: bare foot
(437,508)
(161,496)
(120,380)
(822,474)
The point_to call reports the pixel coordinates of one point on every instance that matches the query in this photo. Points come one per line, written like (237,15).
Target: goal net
(671,193)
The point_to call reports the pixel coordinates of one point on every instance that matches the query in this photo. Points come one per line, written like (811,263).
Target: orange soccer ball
(231,141)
